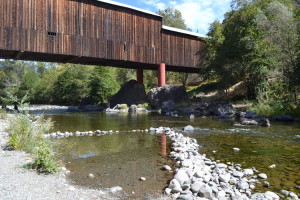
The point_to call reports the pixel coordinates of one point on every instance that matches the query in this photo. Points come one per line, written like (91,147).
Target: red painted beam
(139,76)
(161,75)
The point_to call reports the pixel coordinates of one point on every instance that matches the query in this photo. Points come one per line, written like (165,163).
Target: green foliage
(258,43)
(173,18)
(27,134)
(102,84)
(44,158)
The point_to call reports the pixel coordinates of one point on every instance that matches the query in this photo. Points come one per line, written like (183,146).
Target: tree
(173,18)
(102,84)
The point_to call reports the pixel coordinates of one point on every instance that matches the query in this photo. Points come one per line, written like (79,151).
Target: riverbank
(18,183)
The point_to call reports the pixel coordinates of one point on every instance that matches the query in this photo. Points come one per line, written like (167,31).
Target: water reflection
(260,146)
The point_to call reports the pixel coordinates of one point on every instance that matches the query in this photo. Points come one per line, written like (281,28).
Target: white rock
(221,165)
(237,174)
(168,191)
(71,188)
(262,176)
(142,179)
(174,183)
(115,189)
(195,187)
(271,195)
(91,176)
(167,168)
(181,176)
(242,185)
(248,172)
(272,166)
(235,149)
(188,128)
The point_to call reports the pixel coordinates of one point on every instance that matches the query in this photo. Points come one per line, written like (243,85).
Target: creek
(121,159)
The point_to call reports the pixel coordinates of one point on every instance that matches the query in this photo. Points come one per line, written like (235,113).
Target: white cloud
(198,14)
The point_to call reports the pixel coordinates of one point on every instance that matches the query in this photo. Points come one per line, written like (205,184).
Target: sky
(198,14)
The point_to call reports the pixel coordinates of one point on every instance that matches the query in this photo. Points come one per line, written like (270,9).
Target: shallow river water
(121,159)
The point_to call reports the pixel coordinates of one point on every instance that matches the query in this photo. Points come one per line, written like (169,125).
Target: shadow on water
(122,159)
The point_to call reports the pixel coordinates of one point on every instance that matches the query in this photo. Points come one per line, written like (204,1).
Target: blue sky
(198,14)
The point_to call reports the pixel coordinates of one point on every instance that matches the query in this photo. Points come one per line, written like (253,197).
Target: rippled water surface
(123,158)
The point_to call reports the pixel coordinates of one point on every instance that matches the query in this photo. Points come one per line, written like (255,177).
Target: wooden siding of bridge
(180,50)
(89,32)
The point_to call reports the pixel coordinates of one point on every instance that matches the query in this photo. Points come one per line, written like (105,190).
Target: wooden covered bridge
(95,32)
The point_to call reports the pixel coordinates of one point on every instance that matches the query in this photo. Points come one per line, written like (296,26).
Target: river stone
(248,172)
(219,109)
(284,192)
(132,108)
(174,183)
(237,174)
(293,195)
(249,122)
(168,191)
(185,197)
(224,177)
(130,93)
(265,122)
(257,196)
(167,168)
(262,176)
(271,195)
(188,128)
(266,184)
(250,114)
(195,187)
(206,192)
(181,176)
(242,185)
(157,96)
(115,189)
(167,106)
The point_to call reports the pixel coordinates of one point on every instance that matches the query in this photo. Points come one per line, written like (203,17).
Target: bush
(44,158)
(27,134)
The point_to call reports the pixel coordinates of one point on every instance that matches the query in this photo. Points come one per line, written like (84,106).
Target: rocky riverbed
(198,177)
(195,176)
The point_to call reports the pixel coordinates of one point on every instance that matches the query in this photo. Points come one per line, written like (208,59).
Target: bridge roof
(129,7)
(183,31)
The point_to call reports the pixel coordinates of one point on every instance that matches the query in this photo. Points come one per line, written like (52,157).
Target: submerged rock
(249,122)
(188,128)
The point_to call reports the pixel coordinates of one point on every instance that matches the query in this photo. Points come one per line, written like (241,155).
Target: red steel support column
(139,76)
(161,75)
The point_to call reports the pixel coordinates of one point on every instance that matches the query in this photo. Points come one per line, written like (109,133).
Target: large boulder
(157,96)
(219,109)
(130,93)
(167,106)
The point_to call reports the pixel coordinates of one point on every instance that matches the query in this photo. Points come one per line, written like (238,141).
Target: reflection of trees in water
(85,146)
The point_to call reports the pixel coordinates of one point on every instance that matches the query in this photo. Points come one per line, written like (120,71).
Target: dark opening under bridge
(95,32)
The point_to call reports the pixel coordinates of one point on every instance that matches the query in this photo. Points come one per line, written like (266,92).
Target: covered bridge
(95,32)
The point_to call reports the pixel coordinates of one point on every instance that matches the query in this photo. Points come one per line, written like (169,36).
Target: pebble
(266,184)
(271,195)
(262,176)
(143,179)
(272,166)
(235,149)
(71,188)
(91,176)
(167,168)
